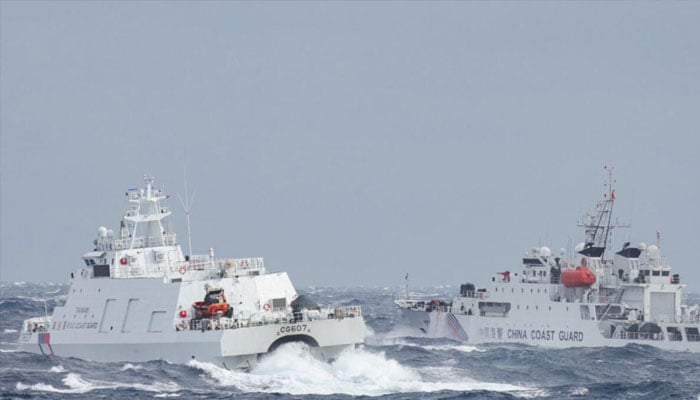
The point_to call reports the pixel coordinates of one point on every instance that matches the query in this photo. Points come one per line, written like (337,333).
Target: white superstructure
(139,298)
(596,301)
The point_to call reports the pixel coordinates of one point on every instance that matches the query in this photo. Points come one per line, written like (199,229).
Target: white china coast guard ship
(632,298)
(139,298)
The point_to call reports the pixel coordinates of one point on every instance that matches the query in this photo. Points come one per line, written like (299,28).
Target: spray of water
(292,369)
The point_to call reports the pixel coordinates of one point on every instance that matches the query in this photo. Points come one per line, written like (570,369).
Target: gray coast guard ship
(596,301)
(139,298)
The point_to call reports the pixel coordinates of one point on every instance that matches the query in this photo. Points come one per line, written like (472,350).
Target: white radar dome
(102,231)
(579,247)
(653,252)
(562,252)
(110,232)
(642,246)
(545,251)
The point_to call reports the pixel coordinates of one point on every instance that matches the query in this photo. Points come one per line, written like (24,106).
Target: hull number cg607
(292,329)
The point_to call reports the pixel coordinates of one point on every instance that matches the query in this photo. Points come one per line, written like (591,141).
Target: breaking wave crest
(293,370)
(74,383)
(404,336)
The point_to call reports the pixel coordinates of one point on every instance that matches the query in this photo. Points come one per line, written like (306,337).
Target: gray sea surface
(396,362)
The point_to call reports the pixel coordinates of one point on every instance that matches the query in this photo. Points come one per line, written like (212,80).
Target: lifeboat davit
(581,276)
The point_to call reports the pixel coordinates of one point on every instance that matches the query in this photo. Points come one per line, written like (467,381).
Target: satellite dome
(653,252)
(102,231)
(642,246)
(545,251)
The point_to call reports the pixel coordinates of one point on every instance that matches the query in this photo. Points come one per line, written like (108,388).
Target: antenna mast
(406,285)
(186,205)
(611,200)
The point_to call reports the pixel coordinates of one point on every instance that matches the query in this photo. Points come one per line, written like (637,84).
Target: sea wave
(76,384)
(358,372)
(396,362)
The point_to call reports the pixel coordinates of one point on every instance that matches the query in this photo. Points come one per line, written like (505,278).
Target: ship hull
(551,332)
(136,320)
(237,348)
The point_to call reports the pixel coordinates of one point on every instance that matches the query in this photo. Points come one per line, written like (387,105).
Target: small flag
(406,275)
(612,194)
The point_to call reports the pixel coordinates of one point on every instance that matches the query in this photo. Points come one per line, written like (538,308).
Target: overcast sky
(350,142)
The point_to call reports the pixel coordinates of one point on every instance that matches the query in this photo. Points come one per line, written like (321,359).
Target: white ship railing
(111,244)
(200,264)
(641,336)
(205,324)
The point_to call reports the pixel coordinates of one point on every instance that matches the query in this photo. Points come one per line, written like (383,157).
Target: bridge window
(692,334)
(674,334)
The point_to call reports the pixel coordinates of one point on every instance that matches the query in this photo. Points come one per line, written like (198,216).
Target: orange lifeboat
(213,304)
(581,276)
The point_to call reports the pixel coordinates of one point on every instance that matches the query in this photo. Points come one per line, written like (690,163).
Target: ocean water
(394,363)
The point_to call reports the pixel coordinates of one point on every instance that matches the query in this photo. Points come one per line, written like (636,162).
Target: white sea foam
(393,337)
(579,391)
(291,369)
(57,369)
(10,331)
(398,335)
(456,347)
(76,384)
(129,366)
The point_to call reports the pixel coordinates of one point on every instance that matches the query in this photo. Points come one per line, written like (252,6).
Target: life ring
(266,307)
(182,270)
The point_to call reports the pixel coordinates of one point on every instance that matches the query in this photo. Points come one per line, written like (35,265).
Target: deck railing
(218,323)
(112,244)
